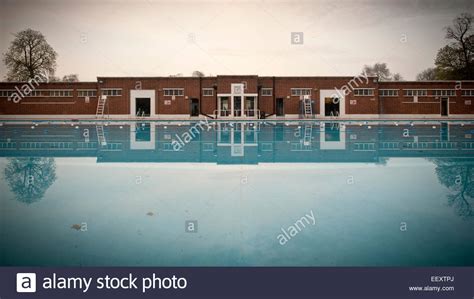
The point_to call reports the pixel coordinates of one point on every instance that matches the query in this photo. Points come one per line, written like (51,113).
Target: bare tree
(397,77)
(381,70)
(427,75)
(456,60)
(458,176)
(29,178)
(29,55)
(198,74)
(71,78)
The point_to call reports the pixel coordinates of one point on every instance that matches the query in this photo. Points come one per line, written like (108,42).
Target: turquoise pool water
(122,195)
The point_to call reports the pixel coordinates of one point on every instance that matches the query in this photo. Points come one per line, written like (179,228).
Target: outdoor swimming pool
(393,194)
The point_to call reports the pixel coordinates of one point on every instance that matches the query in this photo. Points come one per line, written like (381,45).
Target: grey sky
(158,38)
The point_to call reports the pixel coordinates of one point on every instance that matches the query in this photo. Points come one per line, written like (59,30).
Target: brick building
(237,97)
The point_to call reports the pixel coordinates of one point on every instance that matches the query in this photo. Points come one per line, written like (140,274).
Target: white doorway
(139,98)
(237,104)
(332,103)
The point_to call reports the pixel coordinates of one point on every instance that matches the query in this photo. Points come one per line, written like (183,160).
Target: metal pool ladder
(101,136)
(308,133)
(308,107)
(101,106)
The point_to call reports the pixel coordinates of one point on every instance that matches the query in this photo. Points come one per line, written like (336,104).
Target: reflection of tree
(29,178)
(458,176)
(382,161)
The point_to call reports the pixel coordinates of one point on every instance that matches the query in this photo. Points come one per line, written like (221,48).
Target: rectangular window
(208,147)
(388,92)
(36,93)
(60,93)
(86,93)
(112,92)
(173,91)
(363,92)
(208,92)
(32,93)
(266,92)
(6,93)
(444,92)
(39,93)
(468,92)
(301,91)
(168,147)
(267,146)
(416,92)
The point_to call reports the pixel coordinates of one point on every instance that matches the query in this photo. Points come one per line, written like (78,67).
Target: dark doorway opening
(331,106)
(194,107)
(143,132)
(444,132)
(332,132)
(444,106)
(237,106)
(280,111)
(142,107)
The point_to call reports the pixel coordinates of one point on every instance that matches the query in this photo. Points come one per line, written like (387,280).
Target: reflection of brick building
(236,97)
(240,142)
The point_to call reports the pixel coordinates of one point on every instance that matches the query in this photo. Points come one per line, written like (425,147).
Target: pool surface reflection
(125,194)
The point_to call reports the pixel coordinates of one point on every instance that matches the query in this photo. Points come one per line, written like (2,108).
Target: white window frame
(88,93)
(415,92)
(267,89)
(111,92)
(388,92)
(208,89)
(60,93)
(301,91)
(36,93)
(208,147)
(6,93)
(170,91)
(444,92)
(467,92)
(366,92)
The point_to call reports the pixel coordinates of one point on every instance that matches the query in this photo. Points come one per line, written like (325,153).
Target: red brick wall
(209,103)
(49,105)
(222,84)
(429,104)
(121,104)
(266,104)
(364,105)
(180,105)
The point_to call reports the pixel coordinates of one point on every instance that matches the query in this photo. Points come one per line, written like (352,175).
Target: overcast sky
(159,38)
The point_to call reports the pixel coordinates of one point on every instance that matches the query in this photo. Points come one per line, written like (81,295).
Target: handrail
(237,113)
(207,115)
